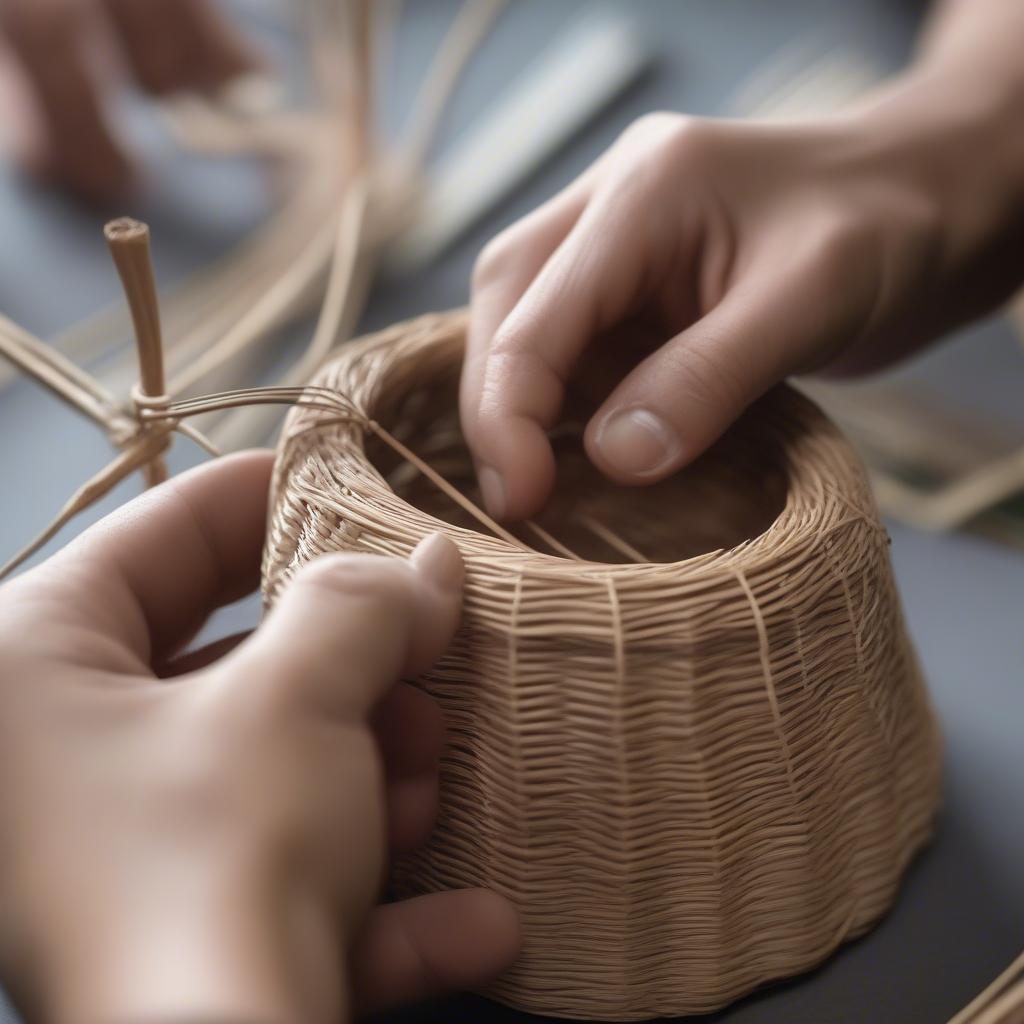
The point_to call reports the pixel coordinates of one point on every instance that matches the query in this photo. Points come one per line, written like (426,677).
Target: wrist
(958,140)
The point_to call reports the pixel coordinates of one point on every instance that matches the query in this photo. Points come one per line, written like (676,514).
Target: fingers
(174,45)
(592,281)
(434,944)
(409,730)
(48,37)
(349,626)
(502,274)
(410,733)
(679,400)
(169,45)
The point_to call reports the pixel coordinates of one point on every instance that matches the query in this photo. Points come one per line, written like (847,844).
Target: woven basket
(687,732)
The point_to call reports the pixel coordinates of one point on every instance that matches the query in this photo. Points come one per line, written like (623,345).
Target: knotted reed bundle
(689,738)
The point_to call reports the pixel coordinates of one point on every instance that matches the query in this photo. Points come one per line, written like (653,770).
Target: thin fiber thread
(692,777)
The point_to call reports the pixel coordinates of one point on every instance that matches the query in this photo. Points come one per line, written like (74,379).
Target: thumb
(679,400)
(349,626)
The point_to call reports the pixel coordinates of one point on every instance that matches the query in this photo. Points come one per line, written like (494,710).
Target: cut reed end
(128,240)
(126,231)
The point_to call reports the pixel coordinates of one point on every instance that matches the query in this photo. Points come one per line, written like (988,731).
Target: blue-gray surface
(960,917)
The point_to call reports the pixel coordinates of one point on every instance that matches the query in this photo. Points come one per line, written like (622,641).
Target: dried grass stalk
(694,773)
(1001,1003)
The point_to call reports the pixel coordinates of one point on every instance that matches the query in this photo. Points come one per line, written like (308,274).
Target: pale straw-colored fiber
(687,734)
(1001,1003)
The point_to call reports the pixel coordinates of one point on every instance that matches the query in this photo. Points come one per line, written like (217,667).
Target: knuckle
(521,375)
(677,137)
(838,240)
(507,343)
(496,258)
(882,235)
(656,124)
(708,380)
(691,143)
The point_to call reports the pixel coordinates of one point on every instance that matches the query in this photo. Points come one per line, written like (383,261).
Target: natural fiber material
(1001,1003)
(687,732)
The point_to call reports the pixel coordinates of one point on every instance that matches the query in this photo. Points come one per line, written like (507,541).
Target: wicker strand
(337,314)
(470,27)
(138,456)
(1002,1002)
(166,416)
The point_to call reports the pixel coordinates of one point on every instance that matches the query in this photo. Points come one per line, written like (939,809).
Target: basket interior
(730,495)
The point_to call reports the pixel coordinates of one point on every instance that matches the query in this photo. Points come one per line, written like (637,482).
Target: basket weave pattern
(692,776)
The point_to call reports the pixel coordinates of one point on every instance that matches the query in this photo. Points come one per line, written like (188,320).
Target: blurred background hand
(64,58)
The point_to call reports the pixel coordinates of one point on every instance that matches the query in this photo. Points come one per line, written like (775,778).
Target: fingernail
(635,442)
(493,489)
(437,558)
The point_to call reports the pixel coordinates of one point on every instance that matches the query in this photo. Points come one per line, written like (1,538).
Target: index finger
(516,382)
(503,273)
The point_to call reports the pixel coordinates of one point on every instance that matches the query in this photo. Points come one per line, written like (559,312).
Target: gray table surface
(960,917)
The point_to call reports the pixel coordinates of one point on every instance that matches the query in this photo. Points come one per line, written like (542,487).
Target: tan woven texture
(687,734)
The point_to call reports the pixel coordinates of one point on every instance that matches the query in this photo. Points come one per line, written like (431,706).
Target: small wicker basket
(689,739)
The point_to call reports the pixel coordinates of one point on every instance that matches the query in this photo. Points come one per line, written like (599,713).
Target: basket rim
(798,523)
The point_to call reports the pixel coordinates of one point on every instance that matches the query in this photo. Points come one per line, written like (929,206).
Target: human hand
(716,258)
(67,49)
(202,836)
